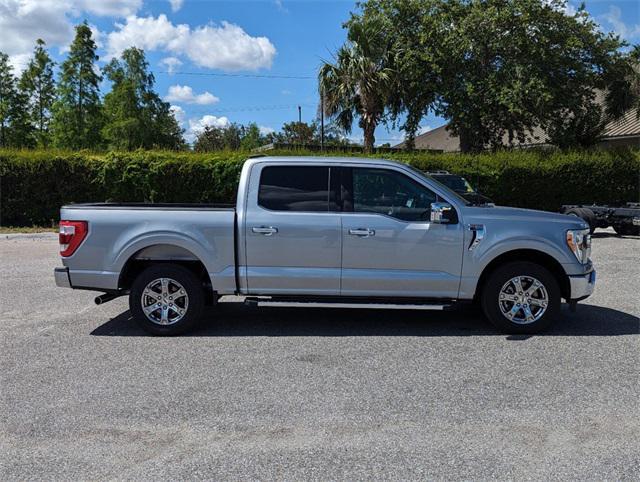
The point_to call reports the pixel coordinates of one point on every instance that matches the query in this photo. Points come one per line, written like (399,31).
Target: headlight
(579,242)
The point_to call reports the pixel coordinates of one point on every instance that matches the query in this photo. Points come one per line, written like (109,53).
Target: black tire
(491,302)
(626,229)
(586,215)
(180,277)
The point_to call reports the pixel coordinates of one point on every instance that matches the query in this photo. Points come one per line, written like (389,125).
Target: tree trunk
(467,141)
(369,136)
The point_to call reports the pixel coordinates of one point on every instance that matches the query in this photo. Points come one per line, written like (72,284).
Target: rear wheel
(521,297)
(166,299)
(626,229)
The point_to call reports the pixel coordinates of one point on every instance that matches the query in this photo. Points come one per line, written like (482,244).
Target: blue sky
(232,39)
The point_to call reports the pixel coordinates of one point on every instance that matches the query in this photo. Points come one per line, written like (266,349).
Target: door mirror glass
(443,213)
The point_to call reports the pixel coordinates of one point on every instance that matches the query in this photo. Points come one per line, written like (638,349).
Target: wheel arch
(155,254)
(533,256)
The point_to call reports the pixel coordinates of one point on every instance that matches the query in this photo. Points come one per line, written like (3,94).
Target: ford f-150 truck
(334,232)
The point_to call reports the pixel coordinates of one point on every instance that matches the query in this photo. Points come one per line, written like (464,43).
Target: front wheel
(166,299)
(521,297)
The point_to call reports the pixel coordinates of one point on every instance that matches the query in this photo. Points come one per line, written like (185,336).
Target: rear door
(390,248)
(292,231)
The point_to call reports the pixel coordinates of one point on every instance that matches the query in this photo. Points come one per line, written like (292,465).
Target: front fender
(480,257)
(476,260)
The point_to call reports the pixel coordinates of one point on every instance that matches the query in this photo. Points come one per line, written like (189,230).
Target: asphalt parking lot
(334,394)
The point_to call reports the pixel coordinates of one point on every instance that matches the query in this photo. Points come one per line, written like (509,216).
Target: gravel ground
(300,393)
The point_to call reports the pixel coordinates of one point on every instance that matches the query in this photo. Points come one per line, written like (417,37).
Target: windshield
(442,186)
(457,183)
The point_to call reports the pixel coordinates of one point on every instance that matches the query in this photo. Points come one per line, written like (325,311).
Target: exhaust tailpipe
(99,300)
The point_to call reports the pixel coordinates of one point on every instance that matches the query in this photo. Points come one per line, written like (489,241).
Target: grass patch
(27,229)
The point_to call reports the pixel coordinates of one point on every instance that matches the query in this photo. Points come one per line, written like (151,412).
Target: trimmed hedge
(34,184)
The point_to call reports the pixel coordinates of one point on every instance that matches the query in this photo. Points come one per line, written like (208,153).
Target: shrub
(34,184)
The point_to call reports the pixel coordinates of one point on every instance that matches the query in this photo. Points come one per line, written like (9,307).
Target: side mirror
(443,213)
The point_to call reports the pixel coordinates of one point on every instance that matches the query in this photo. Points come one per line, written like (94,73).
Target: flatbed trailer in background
(624,219)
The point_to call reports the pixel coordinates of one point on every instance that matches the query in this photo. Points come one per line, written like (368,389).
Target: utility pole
(321,119)
(299,125)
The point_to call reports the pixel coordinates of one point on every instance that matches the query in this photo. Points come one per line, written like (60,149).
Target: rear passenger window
(294,188)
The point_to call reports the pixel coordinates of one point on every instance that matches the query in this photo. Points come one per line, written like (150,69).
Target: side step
(368,306)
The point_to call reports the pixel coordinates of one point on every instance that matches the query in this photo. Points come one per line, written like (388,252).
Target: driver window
(391,193)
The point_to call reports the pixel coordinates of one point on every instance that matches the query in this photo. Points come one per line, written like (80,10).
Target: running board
(368,306)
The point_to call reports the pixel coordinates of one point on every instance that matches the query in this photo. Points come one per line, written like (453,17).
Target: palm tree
(359,81)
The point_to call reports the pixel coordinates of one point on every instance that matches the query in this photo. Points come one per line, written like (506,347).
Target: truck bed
(120,233)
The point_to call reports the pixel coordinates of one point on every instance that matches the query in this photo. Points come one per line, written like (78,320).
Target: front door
(292,232)
(389,246)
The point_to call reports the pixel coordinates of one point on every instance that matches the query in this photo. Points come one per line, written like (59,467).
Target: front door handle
(265,230)
(362,232)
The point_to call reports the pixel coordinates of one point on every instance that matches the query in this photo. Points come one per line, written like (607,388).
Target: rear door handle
(362,232)
(265,230)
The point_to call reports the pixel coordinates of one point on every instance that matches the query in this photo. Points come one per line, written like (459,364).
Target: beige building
(622,132)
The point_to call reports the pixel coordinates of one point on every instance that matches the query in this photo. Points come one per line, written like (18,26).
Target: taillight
(72,233)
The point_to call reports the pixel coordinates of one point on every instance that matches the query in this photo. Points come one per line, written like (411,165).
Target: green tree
(15,129)
(360,80)
(251,137)
(494,68)
(135,116)
(582,126)
(299,133)
(623,93)
(411,33)
(213,138)
(167,132)
(37,84)
(77,113)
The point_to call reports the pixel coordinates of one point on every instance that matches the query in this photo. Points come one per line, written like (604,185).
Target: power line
(250,108)
(254,76)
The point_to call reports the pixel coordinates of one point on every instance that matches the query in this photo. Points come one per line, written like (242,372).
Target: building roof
(441,139)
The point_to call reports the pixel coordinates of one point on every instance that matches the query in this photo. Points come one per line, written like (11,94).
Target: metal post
(300,114)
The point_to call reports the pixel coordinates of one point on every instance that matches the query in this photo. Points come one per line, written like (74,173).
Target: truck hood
(480,214)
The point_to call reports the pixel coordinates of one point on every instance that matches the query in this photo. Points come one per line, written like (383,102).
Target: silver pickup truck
(334,232)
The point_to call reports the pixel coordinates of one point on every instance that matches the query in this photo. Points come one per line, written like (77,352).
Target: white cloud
(171,63)
(196,126)
(613,19)
(570,10)
(176,5)
(178,113)
(208,121)
(225,46)
(185,94)
(264,130)
(24,21)
(19,63)
(281,6)
(108,8)
(422,130)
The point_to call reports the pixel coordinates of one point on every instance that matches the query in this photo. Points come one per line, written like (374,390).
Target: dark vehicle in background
(461,186)
(625,219)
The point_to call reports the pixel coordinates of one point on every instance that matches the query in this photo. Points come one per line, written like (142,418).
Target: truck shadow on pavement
(236,319)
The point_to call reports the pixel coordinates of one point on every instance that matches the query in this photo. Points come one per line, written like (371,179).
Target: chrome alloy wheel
(523,300)
(164,301)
